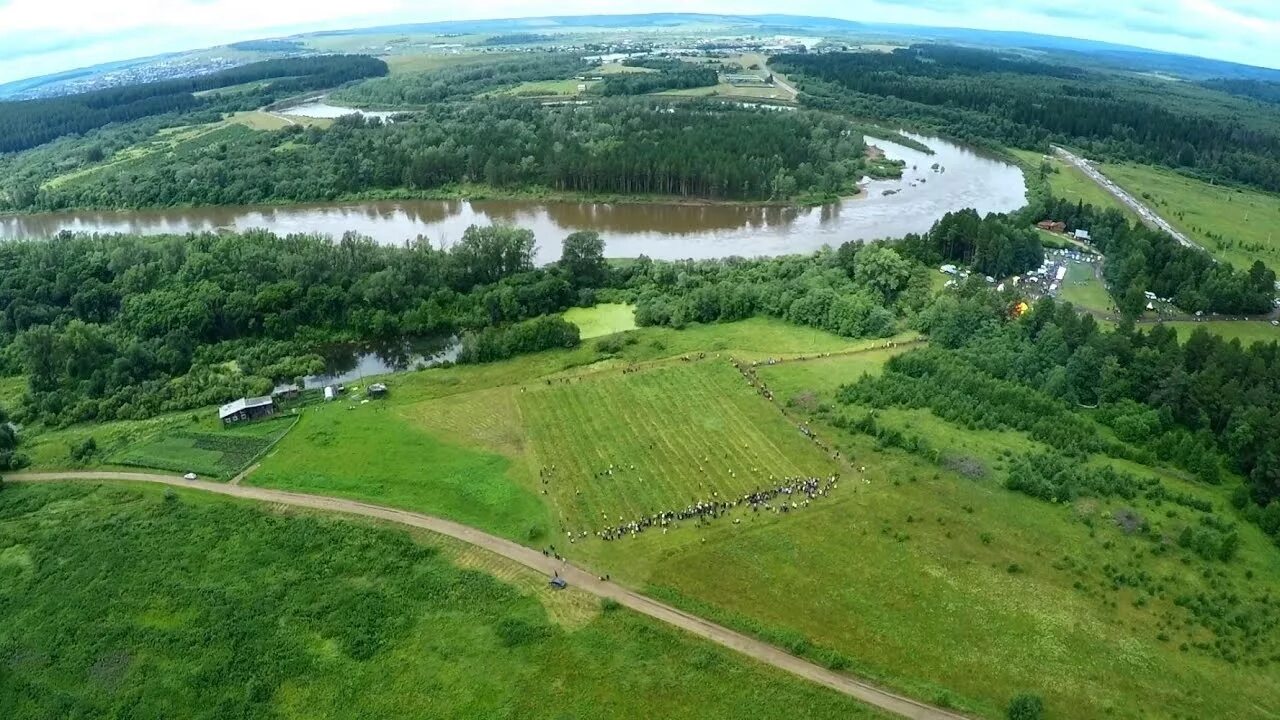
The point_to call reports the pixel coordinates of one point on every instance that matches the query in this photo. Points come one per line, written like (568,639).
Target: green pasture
(125,601)
(1069,182)
(1237,225)
(1247,332)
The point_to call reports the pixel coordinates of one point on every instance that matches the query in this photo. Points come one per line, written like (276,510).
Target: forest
(633,146)
(669,75)
(994,245)
(29,123)
(858,291)
(127,327)
(460,82)
(1206,405)
(996,98)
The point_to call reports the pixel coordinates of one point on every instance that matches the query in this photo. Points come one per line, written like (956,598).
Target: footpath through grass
(136,602)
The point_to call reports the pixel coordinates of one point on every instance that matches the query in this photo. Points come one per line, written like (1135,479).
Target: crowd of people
(796,493)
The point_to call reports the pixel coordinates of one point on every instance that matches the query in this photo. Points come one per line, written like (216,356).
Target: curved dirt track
(534,559)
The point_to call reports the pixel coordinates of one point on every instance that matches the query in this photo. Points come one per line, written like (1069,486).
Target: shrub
(84,450)
(514,631)
(1026,707)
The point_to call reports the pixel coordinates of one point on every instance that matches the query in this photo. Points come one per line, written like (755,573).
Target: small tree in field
(1026,707)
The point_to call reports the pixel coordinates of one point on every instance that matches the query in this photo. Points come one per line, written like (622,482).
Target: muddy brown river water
(965,178)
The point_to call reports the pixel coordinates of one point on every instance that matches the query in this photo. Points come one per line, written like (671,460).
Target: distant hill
(1075,50)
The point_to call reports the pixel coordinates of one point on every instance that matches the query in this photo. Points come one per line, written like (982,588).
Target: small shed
(330,392)
(246,409)
(377,390)
(1082,235)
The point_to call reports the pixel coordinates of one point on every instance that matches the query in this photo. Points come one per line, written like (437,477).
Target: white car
(189,476)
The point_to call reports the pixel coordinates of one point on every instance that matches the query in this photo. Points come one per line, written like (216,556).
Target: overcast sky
(43,36)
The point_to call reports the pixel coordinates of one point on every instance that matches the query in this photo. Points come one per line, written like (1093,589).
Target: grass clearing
(728,90)
(1247,332)
(11,390)
(541,88)
(131,600)
(1237,225)
(602,319)
(1082,288)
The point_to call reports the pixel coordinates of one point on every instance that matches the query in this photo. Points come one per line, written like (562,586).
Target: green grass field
(1082,288)
(567,87)
(728,90)
(1248,332)
(1234,224)
(603,319)
(371,452)
(923,573)
(1069,182)
(132,601)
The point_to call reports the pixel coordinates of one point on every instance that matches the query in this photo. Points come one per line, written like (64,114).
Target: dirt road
(534,559)
(1149,216)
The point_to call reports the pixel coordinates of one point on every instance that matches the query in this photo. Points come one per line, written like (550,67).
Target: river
(659,230)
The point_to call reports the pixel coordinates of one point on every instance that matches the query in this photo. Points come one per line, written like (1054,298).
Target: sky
(38,37)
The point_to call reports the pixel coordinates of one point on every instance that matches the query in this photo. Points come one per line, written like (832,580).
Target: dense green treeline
(1205,405)
(126,327)
(630,146)
(29,123)
(997,98)
(1265,90)
(670,75)
(854,292)
(460,82)
(1140,259)
(995,245)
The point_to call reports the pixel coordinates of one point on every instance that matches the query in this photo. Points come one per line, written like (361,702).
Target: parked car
(189,476)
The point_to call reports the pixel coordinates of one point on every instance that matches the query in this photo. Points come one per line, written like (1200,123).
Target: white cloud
(41,36)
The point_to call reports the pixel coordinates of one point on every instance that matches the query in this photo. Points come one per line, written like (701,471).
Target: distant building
(1052,226)
(286,392)
(246,409)
(1082,235)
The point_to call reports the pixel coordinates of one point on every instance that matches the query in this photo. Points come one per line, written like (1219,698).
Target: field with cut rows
(621,445)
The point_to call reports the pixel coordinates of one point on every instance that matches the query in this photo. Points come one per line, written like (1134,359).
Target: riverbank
(472,192)
(662,228)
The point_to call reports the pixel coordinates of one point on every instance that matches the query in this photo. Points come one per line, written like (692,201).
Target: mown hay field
(620,445)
